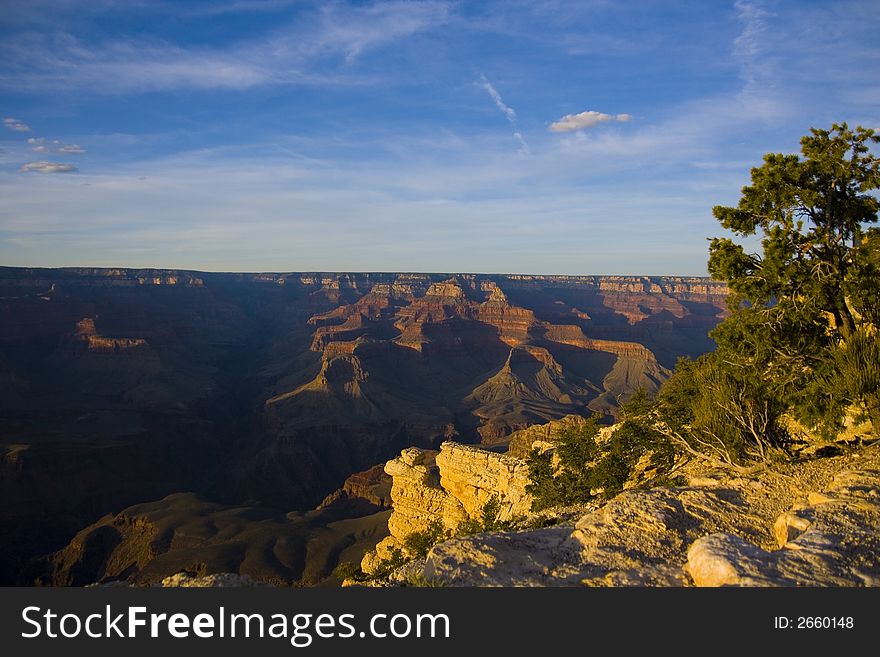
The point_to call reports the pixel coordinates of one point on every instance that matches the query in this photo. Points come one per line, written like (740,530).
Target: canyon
(153,421)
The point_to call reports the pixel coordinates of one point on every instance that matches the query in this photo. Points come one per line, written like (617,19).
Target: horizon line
(347,272)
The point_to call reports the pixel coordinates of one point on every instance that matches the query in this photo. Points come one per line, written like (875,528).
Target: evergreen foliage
(586,468)
(801,337)
(804,311)
(419,543)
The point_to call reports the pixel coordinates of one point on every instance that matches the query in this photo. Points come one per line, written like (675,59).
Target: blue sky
(287,135)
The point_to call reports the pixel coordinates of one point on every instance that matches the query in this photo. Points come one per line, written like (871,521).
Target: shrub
(857,373)
(713,409)
(587,466)
(468,527)
(487,522)
(489,515)
(419,543)
(387,566)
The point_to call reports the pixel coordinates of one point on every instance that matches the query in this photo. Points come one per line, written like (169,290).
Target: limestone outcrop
(448,486)
(639,538)
(717,531)
(473,476)
(832,540)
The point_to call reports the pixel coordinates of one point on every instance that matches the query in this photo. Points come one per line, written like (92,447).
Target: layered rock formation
(370,489)
(449,486)
(520,369)
(716,532)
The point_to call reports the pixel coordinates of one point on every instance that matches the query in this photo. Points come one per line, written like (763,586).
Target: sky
(588,137)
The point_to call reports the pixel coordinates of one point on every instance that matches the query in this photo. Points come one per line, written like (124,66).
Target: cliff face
(805,523)
(369,490)
(465,331)
(473,476)
(449,486)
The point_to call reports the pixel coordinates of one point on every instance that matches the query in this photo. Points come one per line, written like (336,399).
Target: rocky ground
(812,523)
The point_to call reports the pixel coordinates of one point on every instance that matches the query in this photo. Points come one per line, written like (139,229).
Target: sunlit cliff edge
(813,522)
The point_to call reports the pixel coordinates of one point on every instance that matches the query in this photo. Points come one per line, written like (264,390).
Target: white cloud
(42,145)
(748,43)
(314,49)
(523,144)
(16,125)
(749,48)
(49,167)
(493,93)
(273,215)
(353,30)
(508,112)
(572,122)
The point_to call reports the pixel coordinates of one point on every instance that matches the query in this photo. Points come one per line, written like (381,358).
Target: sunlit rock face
(449,487)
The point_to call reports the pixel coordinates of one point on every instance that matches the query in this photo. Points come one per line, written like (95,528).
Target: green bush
(570,483)
(419,543)
(487,522)
(712,407)
(542,486)
(585,465)
(858,372)
(387,566)
(468,527)
(489,514)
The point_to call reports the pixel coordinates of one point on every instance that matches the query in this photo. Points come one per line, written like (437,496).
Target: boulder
(450,487)
(832,541)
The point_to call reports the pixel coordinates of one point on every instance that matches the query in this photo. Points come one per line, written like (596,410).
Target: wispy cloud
(16,125)
(508,112)
(748,47)
(49,167)
(43,145)
(499,102)
(354,30)
(272,213)
(753,15)
(573,122)
(307,51)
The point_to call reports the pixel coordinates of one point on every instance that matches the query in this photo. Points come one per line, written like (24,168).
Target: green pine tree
(804,310)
